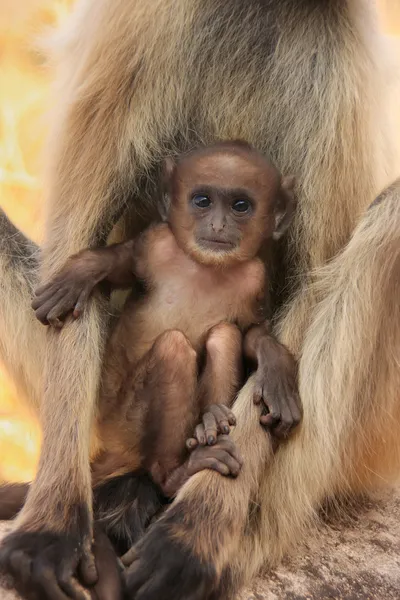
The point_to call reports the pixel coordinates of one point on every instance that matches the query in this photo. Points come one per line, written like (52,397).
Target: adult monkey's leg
(89,179)
(22,339)
(312,104)
(346,443)
(22,348)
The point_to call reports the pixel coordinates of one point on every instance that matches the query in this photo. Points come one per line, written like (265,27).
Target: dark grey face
(221,216)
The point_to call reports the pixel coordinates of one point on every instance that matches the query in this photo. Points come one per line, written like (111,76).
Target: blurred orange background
(24,83)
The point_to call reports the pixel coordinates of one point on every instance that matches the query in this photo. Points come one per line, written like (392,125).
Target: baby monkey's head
(224,201)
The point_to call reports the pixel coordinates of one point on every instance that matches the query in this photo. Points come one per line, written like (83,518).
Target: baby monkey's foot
(217,418)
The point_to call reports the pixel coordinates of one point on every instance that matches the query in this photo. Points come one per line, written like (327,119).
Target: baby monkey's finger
(55,322)
(47,288)
(58,310)
(40,299)
(80,305)
(218,459)
(43,311)
(210,428)
(209,462)
(257,394)
(226,443)
(58,313)
(230,461)
(231,418)
(218,411)
(227,418)
(200,434)
(192,444)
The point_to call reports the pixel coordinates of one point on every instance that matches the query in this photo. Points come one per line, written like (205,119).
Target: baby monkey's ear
(164,202)
(285,207)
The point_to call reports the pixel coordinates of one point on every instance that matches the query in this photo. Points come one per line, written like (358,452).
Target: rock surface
(357,559)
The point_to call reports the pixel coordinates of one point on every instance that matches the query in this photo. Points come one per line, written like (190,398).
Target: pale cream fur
(138,80)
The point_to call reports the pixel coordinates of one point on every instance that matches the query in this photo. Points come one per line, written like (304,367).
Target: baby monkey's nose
(218,225)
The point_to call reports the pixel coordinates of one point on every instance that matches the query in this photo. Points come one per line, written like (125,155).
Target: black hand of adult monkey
(160,565)
(109,585)
(163,566)
(275,381)
(44,565)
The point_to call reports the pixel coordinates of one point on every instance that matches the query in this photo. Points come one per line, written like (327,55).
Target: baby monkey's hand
(70,289)
(223,457)
(275,381)
(275,386)
(217,418)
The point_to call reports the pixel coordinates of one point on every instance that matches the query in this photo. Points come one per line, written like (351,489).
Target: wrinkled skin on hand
(162,567)
(276,387)
(223,457)
(60,566)
(216,419)
(275,381)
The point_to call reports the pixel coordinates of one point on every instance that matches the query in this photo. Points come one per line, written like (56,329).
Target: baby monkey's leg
(219,382)
(170,393)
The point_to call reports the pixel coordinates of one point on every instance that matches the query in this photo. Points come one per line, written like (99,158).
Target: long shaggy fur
(306,83)
(18,273)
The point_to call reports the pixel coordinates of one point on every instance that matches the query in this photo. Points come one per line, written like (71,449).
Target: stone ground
(356,559)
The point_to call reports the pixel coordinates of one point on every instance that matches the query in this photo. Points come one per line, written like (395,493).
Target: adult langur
(305,81)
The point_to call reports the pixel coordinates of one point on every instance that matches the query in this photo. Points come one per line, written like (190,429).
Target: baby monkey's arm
(275,380)
(70,289)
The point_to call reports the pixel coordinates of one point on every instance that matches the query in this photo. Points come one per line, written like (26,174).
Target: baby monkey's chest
(195,299)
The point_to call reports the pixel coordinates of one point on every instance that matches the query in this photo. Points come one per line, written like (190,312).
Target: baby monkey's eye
(201,200)
(241,206)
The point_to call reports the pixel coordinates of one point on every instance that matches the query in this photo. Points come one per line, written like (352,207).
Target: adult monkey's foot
(188,553)
(163,566)
(45,564)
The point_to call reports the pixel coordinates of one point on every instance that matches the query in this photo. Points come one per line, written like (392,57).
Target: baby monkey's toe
(217,418)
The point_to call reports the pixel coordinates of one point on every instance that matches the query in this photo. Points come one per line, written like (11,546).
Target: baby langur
(174,357)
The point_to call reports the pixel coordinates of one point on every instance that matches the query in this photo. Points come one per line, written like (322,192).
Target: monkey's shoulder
(160,244)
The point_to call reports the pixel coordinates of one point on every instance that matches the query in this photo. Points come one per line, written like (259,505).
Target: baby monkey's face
(221,216)
(224,204)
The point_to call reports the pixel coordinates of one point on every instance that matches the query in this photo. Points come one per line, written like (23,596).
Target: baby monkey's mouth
(216,244)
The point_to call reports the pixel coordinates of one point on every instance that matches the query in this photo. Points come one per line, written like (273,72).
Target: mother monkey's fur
(304,82)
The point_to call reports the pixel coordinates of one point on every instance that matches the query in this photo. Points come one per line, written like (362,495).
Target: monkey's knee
(173,348)
(222,337)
